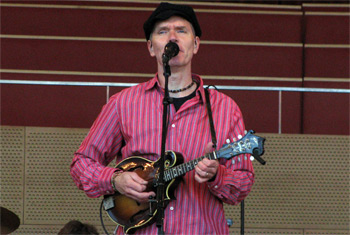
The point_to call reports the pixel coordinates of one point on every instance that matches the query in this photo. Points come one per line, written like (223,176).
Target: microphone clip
(165,59)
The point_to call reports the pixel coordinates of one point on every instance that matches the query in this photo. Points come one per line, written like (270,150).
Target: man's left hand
(206,169)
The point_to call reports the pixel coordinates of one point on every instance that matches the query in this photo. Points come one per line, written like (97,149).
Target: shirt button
(216,186)
(173,125)
(171,208)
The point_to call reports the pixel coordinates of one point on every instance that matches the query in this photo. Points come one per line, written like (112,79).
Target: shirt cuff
(104,181)
(216,185)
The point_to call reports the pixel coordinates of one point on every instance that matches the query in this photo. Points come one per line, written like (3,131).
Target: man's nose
(173,36)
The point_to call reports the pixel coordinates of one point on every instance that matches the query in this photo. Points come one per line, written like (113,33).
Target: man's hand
(132,186)
(206,169)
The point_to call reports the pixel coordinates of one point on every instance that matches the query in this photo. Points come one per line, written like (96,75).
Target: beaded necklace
(182,89)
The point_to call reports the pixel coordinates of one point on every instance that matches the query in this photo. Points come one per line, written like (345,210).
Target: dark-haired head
(77,227)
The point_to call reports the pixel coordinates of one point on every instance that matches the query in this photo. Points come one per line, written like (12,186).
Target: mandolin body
(131,214)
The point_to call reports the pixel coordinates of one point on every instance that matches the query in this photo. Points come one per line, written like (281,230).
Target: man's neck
(178,79)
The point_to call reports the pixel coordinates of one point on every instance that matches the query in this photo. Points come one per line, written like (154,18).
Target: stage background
(302,189)
(242,45)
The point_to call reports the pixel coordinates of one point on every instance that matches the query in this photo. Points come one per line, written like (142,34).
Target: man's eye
(162,32)
(181,31)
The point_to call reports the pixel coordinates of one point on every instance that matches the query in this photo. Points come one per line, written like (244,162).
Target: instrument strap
(210,114)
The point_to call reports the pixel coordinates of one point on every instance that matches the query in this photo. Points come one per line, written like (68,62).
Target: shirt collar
(200,89)
(153,83)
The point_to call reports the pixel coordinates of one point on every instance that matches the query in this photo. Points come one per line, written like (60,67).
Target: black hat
(166,10)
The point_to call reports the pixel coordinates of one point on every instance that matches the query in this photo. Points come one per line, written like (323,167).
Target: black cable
(242,217)
(103,225)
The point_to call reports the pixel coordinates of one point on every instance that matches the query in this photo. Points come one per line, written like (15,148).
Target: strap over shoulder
(210,114)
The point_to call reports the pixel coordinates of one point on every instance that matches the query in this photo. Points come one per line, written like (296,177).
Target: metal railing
(220,87)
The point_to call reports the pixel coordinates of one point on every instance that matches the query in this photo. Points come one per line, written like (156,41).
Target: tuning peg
(239,136)
(252,158)
(234,139)
(245,131)
(228,141)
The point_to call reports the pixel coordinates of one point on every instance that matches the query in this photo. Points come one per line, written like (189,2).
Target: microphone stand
(160,183)
(256,155)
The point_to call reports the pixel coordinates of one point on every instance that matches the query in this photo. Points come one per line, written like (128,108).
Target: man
(131,124)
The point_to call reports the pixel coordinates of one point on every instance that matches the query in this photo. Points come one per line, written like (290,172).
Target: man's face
(178,30)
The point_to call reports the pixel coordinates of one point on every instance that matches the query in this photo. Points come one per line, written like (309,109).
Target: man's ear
(150,48)
(196,45)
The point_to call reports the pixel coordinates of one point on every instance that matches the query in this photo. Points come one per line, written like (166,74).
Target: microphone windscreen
(171,49)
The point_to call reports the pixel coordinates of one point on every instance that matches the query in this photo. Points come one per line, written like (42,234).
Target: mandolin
(132,215)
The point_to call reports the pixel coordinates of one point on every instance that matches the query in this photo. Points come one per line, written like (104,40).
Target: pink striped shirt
(134,116)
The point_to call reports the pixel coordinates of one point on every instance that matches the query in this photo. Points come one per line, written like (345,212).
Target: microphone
(171,50)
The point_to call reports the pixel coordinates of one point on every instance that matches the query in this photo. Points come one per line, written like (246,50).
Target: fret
(167,176)
(209,156)
(175,172)
(189,166)
(214,155)
(180,170)
(183,167)
(171,174)
(193,164)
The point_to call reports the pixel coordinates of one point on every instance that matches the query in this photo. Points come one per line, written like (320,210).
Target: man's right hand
(133,186)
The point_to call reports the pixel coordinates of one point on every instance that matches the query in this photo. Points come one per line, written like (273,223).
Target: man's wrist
(115,175)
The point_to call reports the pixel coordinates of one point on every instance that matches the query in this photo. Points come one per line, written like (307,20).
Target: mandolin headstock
(250,144)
